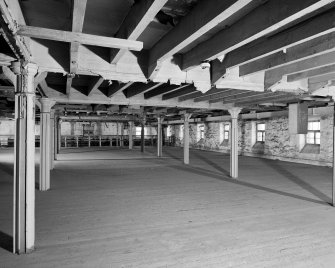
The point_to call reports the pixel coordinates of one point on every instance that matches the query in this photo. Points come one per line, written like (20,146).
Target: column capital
(187,117)
(160,119)
(28,68)
(234,112)
(46,105)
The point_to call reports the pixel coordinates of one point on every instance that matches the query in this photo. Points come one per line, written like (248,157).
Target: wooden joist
(265,19)
(136,21)
(85,39)
(164,88)
(204,17)
(305,31)
(238,96)
(219,95)
(314,47)
(311,73)
(180,92)
(275,75)
(95,84)
(138,88)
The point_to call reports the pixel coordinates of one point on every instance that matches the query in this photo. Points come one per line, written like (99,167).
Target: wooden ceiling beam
(316,46)
(240,96)
(190,96)
(164,88)
(138,88)
(263,20)
(322,78)
(117,87)
(310,29)
(202,18)
(273,76)
(180,92)
(280,97)
(223,94)
(136,21)
(95,83)
(311,73)
(85,39)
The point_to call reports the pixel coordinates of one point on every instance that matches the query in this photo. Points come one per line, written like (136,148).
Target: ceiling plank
(85,39)
(95,84)
(279,97)
(265,19)
(311,73)
(312,28)
(164,88)
(190,96)
(322,78)
(177,93)
(202,18)
(317,46)
(136,21)
(275,75)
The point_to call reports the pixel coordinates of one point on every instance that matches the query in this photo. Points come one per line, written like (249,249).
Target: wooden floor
(116,208)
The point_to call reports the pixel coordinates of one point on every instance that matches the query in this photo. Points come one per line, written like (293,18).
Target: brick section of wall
(279,144)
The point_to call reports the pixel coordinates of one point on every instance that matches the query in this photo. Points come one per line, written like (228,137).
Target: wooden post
(122,133)
(234,112)
(187,138)
(24,163)
(142,136)
(99,141)
(89,141)
(77,141)
(56,138)
(52,138)
(130,130)
(159,136)
(59,135)
(117,134)
(65,141)
(44,181)
(333,179)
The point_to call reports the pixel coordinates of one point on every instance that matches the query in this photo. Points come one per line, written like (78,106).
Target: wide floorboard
(119,208)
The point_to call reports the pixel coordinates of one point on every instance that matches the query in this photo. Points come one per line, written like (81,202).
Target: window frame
(261,131)
(226,131)
(315,132)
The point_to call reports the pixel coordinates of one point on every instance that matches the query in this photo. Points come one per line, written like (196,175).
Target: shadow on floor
(171,155)
(7,168)
(219,176)
(211,163)
(6,241)
(295,179)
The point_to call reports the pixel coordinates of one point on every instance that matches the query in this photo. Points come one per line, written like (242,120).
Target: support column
(122,133)
(59,135)
(234,112)
(333,180)
(56,137)
(52,138)
(187,138)
(142,136)
(130,130)
(117,134)
(24,163)
(159,135)
(44,182)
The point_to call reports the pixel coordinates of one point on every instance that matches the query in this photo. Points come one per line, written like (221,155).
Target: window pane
(317,141)
(259,136)
(310,125)
(226,127)
(226,135)
(260,126)
(317,135)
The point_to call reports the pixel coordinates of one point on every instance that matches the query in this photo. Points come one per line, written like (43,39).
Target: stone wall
(279,144)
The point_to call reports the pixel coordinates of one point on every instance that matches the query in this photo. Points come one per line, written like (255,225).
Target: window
(201,131)
(138,131)
(260,132)
(313,133)
(226,128)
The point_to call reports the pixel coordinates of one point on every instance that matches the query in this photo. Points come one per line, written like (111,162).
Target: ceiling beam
(190,96)
(322,78)
(263,20)
(136,21)
(95,83)
(311,73)
(201,19)
(305,31)
(85,39)
(7,74)
(314,47)
(180,92)
(164,88)
(239,96)
(116,87)
(223,94)
(138,88)
(273,76)
(275,97)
